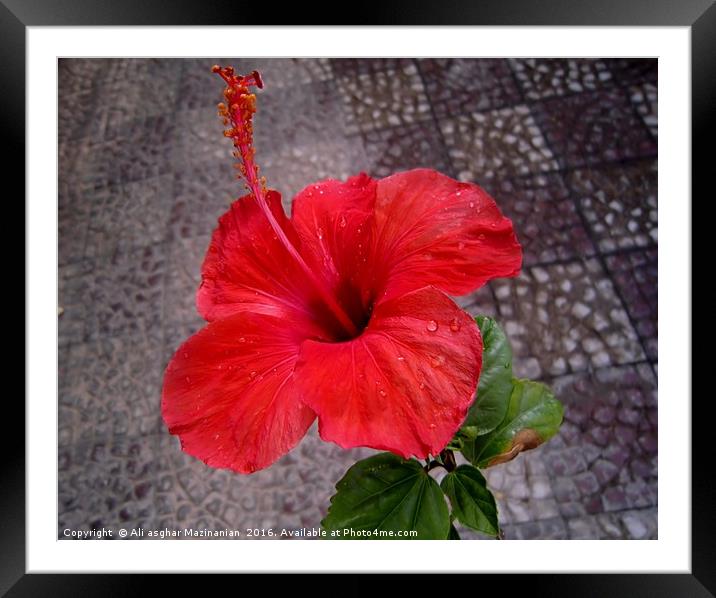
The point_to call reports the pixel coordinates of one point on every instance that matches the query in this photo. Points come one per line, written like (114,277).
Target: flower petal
(247,268)
(433,230)
(331,217)
(229,393)
(404,385)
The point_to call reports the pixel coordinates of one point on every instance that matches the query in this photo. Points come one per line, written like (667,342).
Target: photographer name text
(167,533)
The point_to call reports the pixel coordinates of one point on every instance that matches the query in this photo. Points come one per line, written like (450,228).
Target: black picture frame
(17,15)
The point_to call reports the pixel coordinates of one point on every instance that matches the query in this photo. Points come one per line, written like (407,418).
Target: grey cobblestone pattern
(568,148)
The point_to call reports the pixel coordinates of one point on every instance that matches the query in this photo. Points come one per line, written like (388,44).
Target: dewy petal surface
(229,394)
(247,268)
(381,239)
(332,219)
(404,385)
(430,229)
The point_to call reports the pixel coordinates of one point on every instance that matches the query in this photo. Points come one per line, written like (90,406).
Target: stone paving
(567,147)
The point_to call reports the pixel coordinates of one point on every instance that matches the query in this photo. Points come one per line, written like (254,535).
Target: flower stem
(446,460)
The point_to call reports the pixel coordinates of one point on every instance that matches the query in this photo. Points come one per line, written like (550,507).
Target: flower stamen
(237,115)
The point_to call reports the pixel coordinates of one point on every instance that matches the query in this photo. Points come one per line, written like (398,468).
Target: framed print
(428,308)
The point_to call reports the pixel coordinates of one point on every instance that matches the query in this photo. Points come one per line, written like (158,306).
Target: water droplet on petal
(433,426)
(342,222)
(472,204)
(319,233)
(383,393)
(188,380)
(401,358)
(252,375)
(432,326)
(455,325)
(422,385)
(242,340)
(437,361)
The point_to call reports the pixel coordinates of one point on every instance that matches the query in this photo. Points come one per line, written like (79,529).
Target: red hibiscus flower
(339,312)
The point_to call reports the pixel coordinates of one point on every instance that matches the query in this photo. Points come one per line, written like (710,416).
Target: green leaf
(472,503)
(533,417)
(453,535)
(455,444)
(495,386)
(384,494)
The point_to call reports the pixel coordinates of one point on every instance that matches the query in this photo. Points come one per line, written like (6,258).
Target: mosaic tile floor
(568,148)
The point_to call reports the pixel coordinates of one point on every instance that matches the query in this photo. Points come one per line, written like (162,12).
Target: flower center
(237,114)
